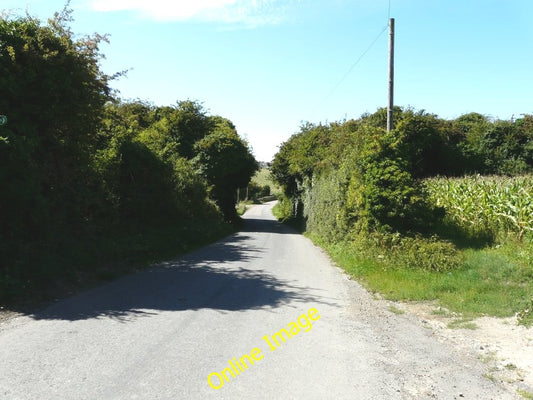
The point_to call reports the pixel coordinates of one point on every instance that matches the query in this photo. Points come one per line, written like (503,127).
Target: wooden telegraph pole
(390,106)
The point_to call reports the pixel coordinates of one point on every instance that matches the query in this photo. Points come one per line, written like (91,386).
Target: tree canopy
(75,160)
(372,178)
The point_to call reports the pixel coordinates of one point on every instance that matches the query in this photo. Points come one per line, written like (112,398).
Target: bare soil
(505,346)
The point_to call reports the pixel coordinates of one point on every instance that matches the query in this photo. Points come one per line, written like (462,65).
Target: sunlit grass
(489,282)
(263,178)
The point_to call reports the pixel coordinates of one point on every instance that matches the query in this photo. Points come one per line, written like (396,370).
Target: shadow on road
(266,226)
(218,277)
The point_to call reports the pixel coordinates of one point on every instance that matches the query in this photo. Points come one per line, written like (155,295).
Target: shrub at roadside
(368,196)
(226,163)
(89,180)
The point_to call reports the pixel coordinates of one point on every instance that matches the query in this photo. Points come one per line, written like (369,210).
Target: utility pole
(390,106)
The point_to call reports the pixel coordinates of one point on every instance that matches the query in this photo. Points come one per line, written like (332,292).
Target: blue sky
(269,65)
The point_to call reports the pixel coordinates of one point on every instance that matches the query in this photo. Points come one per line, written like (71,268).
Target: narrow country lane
(161,333)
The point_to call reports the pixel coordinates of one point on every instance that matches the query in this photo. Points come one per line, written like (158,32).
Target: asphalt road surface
(266,299)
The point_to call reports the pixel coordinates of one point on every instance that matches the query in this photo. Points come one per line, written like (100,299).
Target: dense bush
(52,91)
(399,251)
(324,204)
(225,161)
(355,180)
(362,177)
(77,164)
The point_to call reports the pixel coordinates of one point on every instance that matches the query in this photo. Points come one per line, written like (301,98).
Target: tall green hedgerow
(361,183)
(78,164)
(325,204)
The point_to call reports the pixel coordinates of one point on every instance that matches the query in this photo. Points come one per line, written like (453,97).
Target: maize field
(492,204)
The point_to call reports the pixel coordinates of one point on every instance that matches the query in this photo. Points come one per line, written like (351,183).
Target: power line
(354,64)
(326,98)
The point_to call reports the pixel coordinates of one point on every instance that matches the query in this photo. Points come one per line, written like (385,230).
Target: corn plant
(486,204)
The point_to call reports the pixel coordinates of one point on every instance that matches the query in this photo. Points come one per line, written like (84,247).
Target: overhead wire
(355,64)
(359,59)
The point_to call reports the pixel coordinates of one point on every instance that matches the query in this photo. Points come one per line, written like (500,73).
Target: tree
(53,91)
(421,142)
(226,162)
(506,147)
(379,118)
(470,128)
(187,123)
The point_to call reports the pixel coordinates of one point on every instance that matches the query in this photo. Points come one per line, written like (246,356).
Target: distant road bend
(263,314)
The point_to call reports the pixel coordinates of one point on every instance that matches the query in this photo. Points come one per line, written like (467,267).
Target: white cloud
(249,12)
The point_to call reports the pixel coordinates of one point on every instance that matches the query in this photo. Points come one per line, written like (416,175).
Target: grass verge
(243,206)
(494,281)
